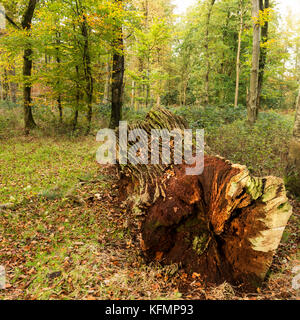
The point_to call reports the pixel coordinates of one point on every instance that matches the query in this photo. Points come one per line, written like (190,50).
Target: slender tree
(118,68)
(77,96)
(5,85)
(206,46)
(263,5)
(88,72)
(58,61)
(89,88)
(238,60)
(27,68)
(106,95)
(252,98)
(13,85)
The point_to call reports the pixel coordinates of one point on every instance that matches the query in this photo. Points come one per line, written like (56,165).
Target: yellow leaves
(268,44)
(264,16)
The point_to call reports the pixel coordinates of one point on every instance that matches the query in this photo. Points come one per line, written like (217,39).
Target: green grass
(32,166)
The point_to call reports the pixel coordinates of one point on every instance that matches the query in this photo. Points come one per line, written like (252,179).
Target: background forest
(71,67)
(169,60)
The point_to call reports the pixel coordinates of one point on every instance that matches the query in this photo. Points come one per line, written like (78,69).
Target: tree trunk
(263,52)
(60,109)
(223,224)
(5,85)
(117,78)
(223,66)
(75,119)
(27,68)
(206,46)
(13,86)
(140,85)
(117,89)
(59,105)
(252,101)
(158,100)
(146,10)
(132,102)
(184,93)
(106,96)
(238,62)
(88,73)
(148,85)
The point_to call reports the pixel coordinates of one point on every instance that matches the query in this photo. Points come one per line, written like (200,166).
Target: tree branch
(10,20)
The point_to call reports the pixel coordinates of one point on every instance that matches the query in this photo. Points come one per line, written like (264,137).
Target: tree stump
(223,224)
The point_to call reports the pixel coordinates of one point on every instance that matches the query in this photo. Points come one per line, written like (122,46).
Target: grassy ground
(64,234)
(65,237)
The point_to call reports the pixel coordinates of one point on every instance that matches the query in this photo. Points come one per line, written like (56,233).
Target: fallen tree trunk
(223,224)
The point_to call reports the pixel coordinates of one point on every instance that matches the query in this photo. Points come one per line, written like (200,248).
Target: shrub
(263,147)
(210,117)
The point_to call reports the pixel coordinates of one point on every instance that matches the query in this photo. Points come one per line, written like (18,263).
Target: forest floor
(66,237)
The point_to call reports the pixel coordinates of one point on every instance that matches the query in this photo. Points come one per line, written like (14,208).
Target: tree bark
(117,77)
(148,85)
(252,99)
(5,86)
(132,102)
(13,86)
(27,69)
(107,89)
(238,62)
(263,52)
(140,85)
(89,89)
(146,10)
(75,119)
(184,93)
(88,73)
(59,104)
(206,46)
